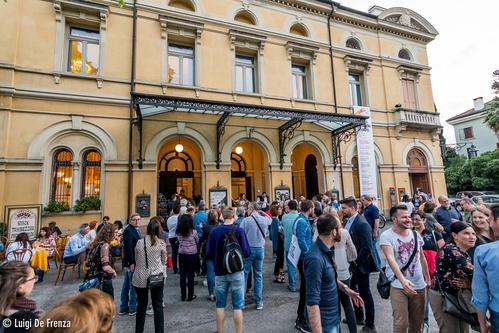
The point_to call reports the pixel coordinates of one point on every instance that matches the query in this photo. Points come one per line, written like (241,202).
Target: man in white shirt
(409,271)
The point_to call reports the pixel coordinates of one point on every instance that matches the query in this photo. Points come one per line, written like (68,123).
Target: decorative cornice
(246,40)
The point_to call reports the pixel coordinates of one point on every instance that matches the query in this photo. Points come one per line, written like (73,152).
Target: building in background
(470,129)
(211,99)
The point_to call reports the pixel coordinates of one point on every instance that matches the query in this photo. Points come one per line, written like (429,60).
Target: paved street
(198,316)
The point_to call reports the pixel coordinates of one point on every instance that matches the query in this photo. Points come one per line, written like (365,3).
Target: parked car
(459,195)
(487,199)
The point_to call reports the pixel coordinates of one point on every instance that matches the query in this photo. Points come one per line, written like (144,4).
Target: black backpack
(233,254)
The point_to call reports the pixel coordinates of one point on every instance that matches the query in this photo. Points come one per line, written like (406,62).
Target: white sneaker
(426,328)
(150,312)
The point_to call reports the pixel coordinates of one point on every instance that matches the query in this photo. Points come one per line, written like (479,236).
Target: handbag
(294,250)
(459,305)
(384,283)
(156,280)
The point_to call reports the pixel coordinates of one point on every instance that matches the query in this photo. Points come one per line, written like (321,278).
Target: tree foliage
(492,113)
(479,173)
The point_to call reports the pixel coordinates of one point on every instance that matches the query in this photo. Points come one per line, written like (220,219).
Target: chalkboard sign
(143,205)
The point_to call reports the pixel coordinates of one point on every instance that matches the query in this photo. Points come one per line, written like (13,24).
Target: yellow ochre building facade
(129,104)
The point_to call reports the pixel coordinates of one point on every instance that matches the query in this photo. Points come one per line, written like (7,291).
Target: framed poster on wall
(143,205)
(23,218)
(282,193)
(218,196)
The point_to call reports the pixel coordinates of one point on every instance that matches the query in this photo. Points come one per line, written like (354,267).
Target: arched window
(91,167)
(245,16)
(182,4)
(404,54)
(237,163)
(353,43)
(174,161)
(62,174)
(298,29)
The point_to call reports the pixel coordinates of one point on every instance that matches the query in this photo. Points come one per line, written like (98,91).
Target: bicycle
(382,221)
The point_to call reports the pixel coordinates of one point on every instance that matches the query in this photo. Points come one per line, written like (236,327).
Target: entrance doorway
(307,171)
(418,171)
(249,170)
(311,176)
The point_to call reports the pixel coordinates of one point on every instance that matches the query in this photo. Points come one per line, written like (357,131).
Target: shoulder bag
(384,283)
(294,251)
(459,305)
(260,228)
(156,280)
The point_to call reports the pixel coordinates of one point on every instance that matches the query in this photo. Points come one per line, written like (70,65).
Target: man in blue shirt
(371,213)
(484,286)
(446,215)
(224,281)
(200,219)
(76,246)
(288,221)
(323,304)
(303,232)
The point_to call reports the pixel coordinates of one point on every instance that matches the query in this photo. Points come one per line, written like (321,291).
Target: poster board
(143,205)
(366,155)
(218,196)
(282,193)
(23,218)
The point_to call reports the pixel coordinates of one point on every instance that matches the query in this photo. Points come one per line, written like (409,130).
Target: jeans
(494,321)
(174,244)
(291,272)
(361,281)
(408,311)
(335,329)
(236,283)
(301,312)
(210,275)
(426,308)
(255,261)
(157,306)
(71,260)
(107,287)
(128,296)
(377,258)
(188,265)
(346,303)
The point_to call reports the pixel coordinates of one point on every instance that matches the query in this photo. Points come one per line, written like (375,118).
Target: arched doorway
(418,170)
(307,171)
(179,169)
(249,170)
(312,181)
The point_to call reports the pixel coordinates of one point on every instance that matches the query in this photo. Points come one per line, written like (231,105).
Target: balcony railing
(417,119)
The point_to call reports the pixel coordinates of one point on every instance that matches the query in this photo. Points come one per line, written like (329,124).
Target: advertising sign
(23,219)
(366,155)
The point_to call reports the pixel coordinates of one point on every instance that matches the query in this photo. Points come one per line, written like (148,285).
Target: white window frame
(85,41)
(356,87)
(244,67)
(296,76)
(303,55)
(358,66)
(181,56)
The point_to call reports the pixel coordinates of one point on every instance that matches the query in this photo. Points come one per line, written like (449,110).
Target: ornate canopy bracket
(222,121)
(286,132)
(139,127)
(343,134)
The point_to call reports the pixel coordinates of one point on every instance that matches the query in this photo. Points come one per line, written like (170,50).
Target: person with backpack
(255,226)
(228,247)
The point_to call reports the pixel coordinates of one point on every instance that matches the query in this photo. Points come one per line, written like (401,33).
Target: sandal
(279,279)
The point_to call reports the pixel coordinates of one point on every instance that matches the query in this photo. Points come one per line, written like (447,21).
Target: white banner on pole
(365,154)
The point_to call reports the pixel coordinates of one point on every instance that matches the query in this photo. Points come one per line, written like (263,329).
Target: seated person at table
(46,240)
(21,242)
(89,238)
(54,230)
(76,246)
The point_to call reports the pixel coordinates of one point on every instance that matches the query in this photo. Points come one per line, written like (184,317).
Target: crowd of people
(436,257)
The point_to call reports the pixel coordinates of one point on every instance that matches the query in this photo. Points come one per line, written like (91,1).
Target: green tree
(457,172)
(492,113)
(485,170)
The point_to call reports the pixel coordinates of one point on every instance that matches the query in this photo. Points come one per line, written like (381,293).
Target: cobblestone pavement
(198,316)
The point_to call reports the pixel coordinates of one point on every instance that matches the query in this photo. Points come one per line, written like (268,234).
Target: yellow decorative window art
(84,51)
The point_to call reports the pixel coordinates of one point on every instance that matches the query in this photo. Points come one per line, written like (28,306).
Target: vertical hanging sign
(365,152)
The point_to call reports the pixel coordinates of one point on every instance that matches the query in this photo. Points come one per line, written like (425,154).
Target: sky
(462,56)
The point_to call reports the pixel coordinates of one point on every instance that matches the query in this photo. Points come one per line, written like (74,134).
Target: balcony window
(180,64)
(245,74)
(299,77)
(354,82)
(409,93)
(83,51)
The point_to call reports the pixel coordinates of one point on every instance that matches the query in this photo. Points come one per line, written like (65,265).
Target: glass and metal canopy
(341,126)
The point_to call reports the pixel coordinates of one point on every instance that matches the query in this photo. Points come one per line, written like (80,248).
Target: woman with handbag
(452,280)
(150,258)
